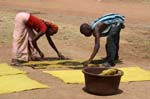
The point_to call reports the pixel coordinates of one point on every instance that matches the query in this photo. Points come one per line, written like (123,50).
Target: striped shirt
(108,19)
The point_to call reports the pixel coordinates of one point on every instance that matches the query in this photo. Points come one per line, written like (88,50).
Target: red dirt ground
(75,12)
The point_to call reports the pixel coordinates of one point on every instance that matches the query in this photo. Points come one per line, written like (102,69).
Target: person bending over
(108,25)
(28,29)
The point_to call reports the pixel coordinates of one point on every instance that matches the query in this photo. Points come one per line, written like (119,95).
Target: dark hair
(86,29)
(83,27)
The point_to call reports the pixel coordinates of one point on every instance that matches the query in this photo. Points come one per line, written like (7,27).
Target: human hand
(34,58)
(85,64)
(61,56)
(41,54)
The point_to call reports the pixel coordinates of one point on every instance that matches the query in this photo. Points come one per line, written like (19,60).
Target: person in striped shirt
(27,31)
(108,25)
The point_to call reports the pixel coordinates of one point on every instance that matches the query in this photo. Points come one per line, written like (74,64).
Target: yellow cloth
(135,74)
(76,76)
(56,64)
(16,83)
(68,76)
(5,69)
(42,62)
(51,62)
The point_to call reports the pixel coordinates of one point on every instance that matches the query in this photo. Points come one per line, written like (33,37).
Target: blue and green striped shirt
(109,19)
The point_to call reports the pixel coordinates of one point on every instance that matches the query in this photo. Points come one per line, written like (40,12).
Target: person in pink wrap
(25,46)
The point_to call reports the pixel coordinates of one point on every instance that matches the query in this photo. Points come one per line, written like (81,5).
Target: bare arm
(95,50)
(34,42)
(51,43)
(99,28)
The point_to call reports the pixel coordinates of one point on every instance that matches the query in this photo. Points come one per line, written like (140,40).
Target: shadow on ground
(68,63)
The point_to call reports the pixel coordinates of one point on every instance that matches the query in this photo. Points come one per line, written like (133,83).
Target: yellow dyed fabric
(56,64)
(68,76)
(135,74)
(51,62)
(6,69)
(42,62)
(76,76)
(16,83)
(61,66)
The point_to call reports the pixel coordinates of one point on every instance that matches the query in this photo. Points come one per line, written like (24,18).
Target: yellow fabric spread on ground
(16,83)
(42,62)
(135,74)
(51,62)
(68,76)
(76,76)
(56,64)
(5,69)
(15,80)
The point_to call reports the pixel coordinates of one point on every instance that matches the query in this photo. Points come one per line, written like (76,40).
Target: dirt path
(69,14)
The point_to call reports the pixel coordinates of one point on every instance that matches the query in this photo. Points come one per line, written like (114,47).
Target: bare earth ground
(69,14)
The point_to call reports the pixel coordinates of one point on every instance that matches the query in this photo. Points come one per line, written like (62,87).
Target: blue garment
(115,23)
(109,19)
